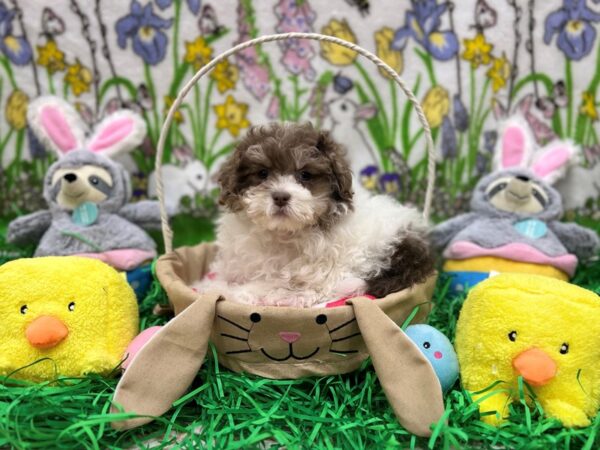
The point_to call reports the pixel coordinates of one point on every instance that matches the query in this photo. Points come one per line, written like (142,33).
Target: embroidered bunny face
(72,186)
(523,174)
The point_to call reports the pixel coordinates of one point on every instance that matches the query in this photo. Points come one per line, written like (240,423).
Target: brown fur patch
(411,263)
(289,149)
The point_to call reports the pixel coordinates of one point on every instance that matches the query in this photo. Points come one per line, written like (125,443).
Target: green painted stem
(50,82)
(205,116)
(175,44)
(428,61)
(9,72)
(569,86)
(379,102)
(394,100)
(153,130)
(117,81)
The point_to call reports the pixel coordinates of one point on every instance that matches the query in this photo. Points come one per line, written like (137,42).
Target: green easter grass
(224,410)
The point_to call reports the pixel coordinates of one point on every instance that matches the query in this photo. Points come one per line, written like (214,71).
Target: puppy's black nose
(281,198)
(70,177)
(522,178)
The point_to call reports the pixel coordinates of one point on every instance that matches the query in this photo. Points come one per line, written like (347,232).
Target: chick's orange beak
(46,332)
(535,366)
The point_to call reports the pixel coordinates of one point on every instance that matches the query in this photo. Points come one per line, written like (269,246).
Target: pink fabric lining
(122,259)
(58,129)
(553,160)
(138,342)
(342,301)
(515,252)
(112,134)
(513,147)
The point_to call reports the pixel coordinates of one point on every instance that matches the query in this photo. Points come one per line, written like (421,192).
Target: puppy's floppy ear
(342,174)
(227,179)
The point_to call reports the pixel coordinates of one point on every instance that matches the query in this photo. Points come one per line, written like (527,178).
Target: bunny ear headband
(58,125)
(516,147)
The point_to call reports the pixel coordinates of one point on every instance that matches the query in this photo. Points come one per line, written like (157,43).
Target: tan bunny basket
(246,337)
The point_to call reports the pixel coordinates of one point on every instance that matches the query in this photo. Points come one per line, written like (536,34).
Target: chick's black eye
(426,344)
(24,309)
(512,336)
(72,306)
(94,180)
(255,317)
(321,319)
(305,175)
(263,174)
(564,349)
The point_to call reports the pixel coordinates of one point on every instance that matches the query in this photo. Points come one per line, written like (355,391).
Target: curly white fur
(260,263)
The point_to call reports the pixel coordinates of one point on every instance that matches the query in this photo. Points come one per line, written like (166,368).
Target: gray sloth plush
(514,224)
(87,192)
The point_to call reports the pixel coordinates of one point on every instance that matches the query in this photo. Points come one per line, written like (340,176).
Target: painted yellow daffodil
(436,105)
(79,78)
(197,53)
(477,51)
(15,111)
(499,73)
(231,116)
(588,106)
(226,75)
(51,57)
(393,58)
(336,54)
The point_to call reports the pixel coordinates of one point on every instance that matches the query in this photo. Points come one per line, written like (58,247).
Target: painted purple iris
(368,177)
(422,23)
(145,30)
(576,35)
(194,5)
(15,48)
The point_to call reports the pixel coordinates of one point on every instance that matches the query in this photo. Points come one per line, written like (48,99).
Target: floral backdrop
(471,63)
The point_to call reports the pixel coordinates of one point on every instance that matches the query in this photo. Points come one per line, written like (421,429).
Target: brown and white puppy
(294,233)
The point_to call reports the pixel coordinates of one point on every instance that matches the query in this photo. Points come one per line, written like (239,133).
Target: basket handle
(431,152)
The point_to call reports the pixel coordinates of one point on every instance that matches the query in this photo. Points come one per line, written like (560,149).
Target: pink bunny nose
(437,355)
(289,336)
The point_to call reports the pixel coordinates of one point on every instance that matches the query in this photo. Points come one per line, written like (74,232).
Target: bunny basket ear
(166,365)
(56,124)
(407,378)
(552,161)
(119,132)
(515,145)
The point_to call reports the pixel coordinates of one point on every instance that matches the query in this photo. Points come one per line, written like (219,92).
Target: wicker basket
(334,340)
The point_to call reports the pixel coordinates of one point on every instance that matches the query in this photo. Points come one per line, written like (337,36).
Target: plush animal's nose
(70,177)
(281,198)
(535,366)
(46,332)
(289,336)
(522,178)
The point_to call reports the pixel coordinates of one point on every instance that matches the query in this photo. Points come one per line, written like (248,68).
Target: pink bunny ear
(551,162)
(119,132)
(56,124)
(515,146)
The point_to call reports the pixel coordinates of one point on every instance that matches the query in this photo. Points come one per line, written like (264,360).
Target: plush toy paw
(496,404)
(569,415)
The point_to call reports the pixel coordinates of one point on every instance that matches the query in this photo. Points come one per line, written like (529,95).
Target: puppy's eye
(305,175)
(343,107)
(199,177)
(94,180)
(24,309)
(512,336)
(263,174)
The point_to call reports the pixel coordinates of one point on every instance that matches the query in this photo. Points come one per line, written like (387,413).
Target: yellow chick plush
(63,315)
(543,329)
